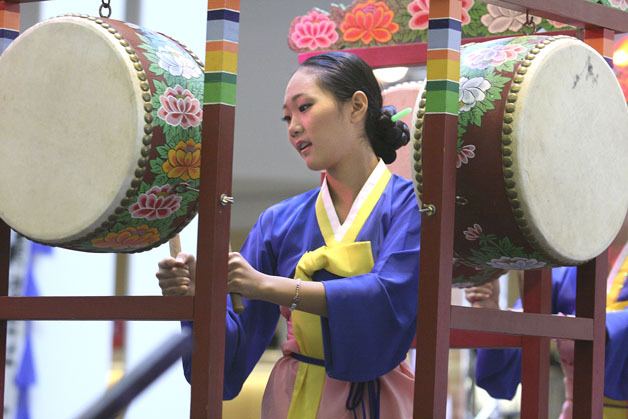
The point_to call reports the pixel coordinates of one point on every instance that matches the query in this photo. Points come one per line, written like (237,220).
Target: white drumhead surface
(70,129)
(570,149)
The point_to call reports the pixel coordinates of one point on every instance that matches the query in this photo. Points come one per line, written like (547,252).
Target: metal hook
(226,200)
(105,5)
(529,24)
(428,209)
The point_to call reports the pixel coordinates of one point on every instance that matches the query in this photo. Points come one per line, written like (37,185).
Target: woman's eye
(286,119)
(304,107)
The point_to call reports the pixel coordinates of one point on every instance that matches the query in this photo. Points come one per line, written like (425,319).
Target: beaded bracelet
(297,298)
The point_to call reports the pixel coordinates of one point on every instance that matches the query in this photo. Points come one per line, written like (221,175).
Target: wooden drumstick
(175,249)
(236,299)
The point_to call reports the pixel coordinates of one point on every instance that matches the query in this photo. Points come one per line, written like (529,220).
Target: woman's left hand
(243,278)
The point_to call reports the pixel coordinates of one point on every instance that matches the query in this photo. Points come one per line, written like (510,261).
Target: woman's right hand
(177,276)
(484,296)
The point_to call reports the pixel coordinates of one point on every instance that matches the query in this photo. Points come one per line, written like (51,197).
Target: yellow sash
(612,303)
(615,409)
(343,258)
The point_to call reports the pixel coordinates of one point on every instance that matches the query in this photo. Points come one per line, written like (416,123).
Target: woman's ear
(359,106)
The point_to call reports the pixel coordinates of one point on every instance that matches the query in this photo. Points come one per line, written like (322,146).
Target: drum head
(570,142)
(70,129)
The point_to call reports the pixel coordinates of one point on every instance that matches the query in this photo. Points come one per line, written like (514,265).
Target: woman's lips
(303,146)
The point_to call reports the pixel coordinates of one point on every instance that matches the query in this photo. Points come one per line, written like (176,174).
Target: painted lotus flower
(368,21)
(175,62)
(419,10)
(184,161)
(156,203)
(466,153)
(473,233)
(620,4)
(180,107)
(557,24)
(472,91)
(313,31)
(130,238)
(494,56)
(500,19)
(519,263)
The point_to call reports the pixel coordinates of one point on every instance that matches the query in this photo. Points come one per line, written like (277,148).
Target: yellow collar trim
(361,208)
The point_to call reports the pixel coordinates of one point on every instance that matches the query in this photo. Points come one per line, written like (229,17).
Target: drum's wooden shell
(494,227)
(158,196)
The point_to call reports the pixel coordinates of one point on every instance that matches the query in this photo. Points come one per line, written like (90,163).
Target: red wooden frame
(441,326)
(437,319)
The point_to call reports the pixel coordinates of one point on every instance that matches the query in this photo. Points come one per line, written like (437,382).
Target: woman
(340,262)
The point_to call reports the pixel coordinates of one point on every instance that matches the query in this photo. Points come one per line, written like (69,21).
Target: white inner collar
(338,229)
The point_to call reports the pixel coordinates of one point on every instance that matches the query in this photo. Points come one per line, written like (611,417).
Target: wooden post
(537,298)
(439,174)
(223,18)
(588,382)
(9,30)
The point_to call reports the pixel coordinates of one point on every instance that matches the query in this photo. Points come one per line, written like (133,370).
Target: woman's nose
(294,129)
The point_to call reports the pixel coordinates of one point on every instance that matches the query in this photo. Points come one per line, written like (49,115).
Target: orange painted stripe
(223,4)
(221,46)
(445,8)
(443,54)
(10,20)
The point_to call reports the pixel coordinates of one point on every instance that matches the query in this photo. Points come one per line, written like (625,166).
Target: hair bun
(393,135)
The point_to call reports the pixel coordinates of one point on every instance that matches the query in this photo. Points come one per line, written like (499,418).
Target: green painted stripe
(441,101)
(435,85)
(220,93)
(221,77)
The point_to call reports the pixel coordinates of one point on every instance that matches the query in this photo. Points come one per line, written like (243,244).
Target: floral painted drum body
(101,132)
(541,173)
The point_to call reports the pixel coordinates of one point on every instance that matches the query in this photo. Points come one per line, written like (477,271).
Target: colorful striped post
(439,174)
(221,59)
(9,23)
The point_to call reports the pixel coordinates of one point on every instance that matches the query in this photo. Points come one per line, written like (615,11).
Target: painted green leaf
(156,166)
(162,179)
(162,151)
(155,69)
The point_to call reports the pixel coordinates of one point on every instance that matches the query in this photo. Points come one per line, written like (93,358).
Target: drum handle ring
(226,200)
(428,209)
(105,5)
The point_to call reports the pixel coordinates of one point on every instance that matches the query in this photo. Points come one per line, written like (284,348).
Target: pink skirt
(396,393)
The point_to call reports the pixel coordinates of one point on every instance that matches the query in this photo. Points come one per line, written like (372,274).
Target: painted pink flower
(312,31)
(494,56)
(620,4)
(558,24)
(473,233)
(157,203)
(419,10)
(180,107)
(466,153)
(500,19)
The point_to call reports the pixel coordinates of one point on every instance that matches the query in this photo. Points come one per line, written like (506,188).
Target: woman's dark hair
(342,74)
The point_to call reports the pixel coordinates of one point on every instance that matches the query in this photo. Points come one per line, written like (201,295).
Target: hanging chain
(529,27)
(105,8)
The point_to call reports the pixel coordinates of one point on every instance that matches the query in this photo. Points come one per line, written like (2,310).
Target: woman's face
(319,127)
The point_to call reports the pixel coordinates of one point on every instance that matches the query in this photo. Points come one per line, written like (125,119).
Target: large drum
(541,156)
(100,133)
